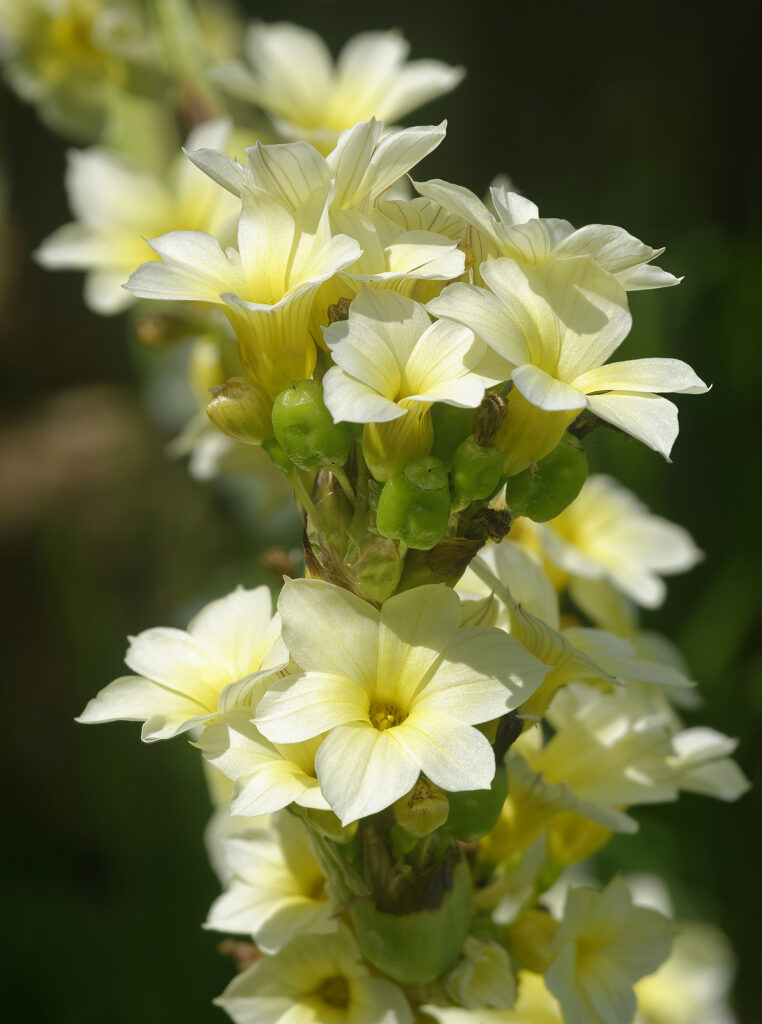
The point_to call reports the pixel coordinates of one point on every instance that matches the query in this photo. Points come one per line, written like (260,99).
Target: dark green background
(643,115)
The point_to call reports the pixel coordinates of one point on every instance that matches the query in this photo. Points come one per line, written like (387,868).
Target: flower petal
(647,375)
(649,418)
(362,770)
(329,630)
(452,754)
(544,391)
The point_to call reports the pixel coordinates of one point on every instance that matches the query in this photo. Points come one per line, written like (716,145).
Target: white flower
(398,251)
(515,229)
(392,363)
(230,650)
(397,692)
(294,78)
(316,978)
(607,534)
(266,287)
(275,890)
(119,203)
(556,330)
(603,946)
(579,652)
(266,776)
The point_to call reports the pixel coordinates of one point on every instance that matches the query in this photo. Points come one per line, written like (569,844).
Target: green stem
(346,486)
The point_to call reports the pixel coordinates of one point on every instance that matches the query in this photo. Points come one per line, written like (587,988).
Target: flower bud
(241,409)
(474,813)
(476,472)
(416,932)
(421,811)
(530,939)
(277,455)
(414,505)
(451,426)
(304,428)
(482,978)
(543,491)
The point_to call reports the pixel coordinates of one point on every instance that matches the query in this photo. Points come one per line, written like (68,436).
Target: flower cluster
(411,748)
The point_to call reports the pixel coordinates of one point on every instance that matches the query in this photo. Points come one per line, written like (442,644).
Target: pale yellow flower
(185,678)
(275,888)
(294,78)
(400,694)
(603,946)
(119,204)
(316,978)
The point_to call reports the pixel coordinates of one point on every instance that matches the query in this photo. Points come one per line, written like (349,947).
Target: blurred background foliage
(644,116)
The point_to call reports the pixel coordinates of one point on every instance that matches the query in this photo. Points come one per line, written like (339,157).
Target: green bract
(417,934)
(476,472)
(543,492)
(414,505)
(305,429)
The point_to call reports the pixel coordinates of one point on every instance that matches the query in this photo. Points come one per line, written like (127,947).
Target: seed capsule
(305,430)
(414,505)
(544,492)
(476,472)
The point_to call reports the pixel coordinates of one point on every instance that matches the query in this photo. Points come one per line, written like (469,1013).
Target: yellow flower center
(335,991)
(385,715)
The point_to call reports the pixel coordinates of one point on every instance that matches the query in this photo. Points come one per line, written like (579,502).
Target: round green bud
(542,492)
(414,506)
(476,472)
(474,813)
(241,409)
(305,430)
(421,811)
(451,426)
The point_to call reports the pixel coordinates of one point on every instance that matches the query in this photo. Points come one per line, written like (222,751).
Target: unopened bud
(414,505)
(482,978)
(530,939)
(421,811)
(543,491)
(476,472)
(304,428)
(241,410)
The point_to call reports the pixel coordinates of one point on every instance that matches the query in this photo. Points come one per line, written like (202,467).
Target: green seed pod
(304,428)
(544,492)
(416,933)
(414,505)
(474,813)
(241,409)
(451,426)
(476,472)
